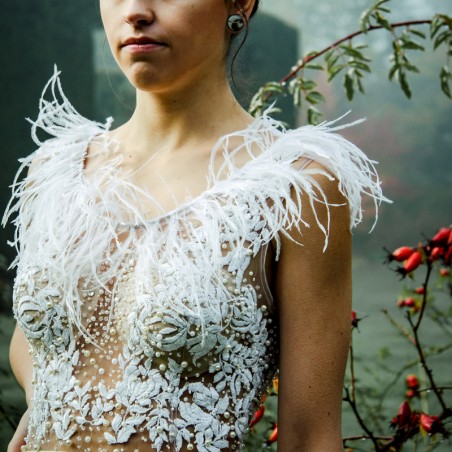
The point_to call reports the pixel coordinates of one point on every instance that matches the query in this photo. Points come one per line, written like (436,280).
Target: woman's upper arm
(21,361)
(313,292)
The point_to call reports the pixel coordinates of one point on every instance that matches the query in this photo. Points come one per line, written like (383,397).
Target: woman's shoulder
(305,159)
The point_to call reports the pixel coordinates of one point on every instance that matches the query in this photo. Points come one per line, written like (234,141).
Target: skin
(183,104)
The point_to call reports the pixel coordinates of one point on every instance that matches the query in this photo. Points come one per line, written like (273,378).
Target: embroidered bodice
(158,334)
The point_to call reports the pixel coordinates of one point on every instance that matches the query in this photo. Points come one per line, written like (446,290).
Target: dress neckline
(260,125)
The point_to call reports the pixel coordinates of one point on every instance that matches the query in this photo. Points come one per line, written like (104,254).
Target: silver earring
(235,23)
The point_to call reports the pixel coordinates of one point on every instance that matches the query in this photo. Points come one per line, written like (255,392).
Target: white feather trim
(67,226)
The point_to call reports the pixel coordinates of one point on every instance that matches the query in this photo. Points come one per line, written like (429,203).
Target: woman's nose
(139,13)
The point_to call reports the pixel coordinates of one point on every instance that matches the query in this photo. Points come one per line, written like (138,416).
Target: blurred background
(411,139)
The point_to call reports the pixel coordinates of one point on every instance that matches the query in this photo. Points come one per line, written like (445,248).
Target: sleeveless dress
(158,334)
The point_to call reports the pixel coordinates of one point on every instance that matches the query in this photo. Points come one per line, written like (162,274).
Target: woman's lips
(142,45)
(142,48)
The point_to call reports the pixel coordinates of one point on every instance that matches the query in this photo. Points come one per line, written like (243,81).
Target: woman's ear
(243,7)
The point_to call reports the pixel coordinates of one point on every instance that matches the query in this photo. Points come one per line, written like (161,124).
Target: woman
(161,282)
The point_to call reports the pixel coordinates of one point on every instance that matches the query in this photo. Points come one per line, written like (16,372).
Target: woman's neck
(183,119)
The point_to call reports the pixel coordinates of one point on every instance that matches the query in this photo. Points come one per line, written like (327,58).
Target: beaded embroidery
(159,334)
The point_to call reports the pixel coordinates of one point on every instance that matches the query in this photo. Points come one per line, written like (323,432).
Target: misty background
(411,139)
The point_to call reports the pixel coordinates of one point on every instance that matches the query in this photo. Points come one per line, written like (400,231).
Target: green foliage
(441,35)
(259,102)
(350,60)
(375,17)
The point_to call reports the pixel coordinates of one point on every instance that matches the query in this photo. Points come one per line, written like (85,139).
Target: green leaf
(329,54)
(445,79)
(314,115)
(360,86)
(348,86)
(310,54)
(334,71)
(314,97)
(417,33)
(412,45)
(411,67)
(403,81)
(274,87)
(359,65)
(294,85)
(441,38)
(316,67)
(383,21)
(364,20)
(308,85)
(331,61)
(297,98)
(350,51)
(435,25)
(361,46)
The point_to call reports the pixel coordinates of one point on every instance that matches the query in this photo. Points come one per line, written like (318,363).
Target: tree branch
(307,59)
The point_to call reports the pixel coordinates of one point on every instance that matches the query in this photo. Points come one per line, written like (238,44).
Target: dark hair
(255,7)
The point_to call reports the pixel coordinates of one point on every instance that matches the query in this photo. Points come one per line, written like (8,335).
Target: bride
(167,269)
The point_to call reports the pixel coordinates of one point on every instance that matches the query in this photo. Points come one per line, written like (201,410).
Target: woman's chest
(168,307)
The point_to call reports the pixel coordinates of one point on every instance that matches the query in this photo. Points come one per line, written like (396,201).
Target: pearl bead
(184,364)
(190,446)
(162,367)
(87,439)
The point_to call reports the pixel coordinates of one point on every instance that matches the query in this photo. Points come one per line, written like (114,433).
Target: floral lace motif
(148,370)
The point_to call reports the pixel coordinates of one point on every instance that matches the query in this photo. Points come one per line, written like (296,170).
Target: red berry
(448,256)
(441,236)
(410,302)
(403,417)
(401,303)
(355,320)
(420,290)
(427,422)
(444,271)
(436,253)
(410,393)
(412,381)
(413,262)
(273,435)
(257,416)
(400,254)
